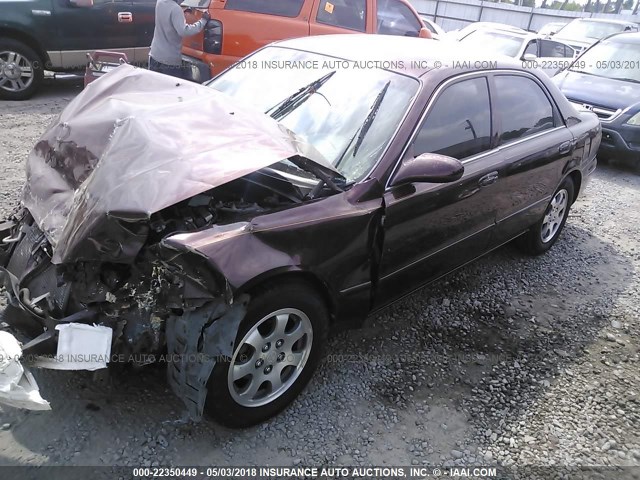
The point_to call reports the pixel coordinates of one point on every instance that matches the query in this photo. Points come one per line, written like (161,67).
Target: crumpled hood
(133,143)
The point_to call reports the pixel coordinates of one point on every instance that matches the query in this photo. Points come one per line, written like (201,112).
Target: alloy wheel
(16,72)
(270,357)
(554,216)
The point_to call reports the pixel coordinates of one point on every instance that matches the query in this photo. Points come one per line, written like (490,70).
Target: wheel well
(308,278)
(27,40)
(576,178)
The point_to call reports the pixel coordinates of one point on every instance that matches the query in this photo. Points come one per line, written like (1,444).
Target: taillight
(213,37)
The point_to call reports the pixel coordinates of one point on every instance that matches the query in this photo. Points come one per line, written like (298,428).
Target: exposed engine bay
(138,300)
(109,185)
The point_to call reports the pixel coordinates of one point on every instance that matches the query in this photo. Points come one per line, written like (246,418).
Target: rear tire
(277,349)
(544,234)
(21,70)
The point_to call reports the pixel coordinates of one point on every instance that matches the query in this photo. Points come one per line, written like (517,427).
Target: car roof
(606,20)
(524,35)
(504,26)
(394,52)
(625,37)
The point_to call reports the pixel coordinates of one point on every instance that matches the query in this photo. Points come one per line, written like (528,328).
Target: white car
(480,26)
(550,29)
(581,33)
(534,51)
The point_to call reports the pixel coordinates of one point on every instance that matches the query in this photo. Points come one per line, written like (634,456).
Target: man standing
(166,45)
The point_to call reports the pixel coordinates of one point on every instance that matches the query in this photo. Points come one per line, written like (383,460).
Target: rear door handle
(125,17)
(565,147)
(488,179)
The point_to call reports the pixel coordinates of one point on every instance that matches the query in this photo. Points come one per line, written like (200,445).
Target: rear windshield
(282,8)
(587,29)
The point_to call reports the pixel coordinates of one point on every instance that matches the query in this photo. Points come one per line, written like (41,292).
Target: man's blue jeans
(179,71)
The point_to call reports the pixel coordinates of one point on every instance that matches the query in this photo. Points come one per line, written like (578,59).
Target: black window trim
(494,133)
(366,12)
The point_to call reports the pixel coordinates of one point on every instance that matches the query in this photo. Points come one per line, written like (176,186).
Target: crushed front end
(89,276)
(164,302)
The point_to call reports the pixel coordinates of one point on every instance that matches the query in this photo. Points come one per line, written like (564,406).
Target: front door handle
(125,17)
(488,179)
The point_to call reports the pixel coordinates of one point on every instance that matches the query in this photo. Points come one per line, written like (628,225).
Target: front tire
(21,70)
(277,349)
(545,233)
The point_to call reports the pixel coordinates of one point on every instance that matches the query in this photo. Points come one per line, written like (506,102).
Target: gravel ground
(513,361)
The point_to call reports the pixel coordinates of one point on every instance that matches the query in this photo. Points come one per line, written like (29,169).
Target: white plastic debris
(18,388)
(80,347)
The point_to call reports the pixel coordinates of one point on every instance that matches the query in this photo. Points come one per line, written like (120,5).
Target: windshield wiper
(582,71)
(366,125)
(334,181)
(294,101)
(626,79)
(371,117)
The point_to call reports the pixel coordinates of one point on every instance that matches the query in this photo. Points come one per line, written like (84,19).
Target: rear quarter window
(282,8)
(522,107)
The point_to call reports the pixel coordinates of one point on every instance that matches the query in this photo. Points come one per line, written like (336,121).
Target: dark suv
(38,35)
(606,80)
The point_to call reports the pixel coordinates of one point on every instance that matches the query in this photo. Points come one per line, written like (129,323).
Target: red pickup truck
(239,27)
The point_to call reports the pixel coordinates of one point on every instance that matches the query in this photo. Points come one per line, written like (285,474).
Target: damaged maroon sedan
(233,225)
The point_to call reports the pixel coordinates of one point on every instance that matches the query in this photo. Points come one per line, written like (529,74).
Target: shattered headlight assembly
(635,120)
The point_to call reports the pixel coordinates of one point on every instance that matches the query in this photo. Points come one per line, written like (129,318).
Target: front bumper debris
(18,388)
(196,341)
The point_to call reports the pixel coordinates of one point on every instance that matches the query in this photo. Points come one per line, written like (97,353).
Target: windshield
(501,43)
(587,29)
(616,60)
(332,115)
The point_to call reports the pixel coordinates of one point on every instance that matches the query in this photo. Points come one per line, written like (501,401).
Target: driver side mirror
(425,33)
(529,57)
(81,3)
(428,168)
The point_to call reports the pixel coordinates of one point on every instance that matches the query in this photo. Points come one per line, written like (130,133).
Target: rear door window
(395,18)
(350,14)
(459,123)
(521,114)
(549,48)
(282,8)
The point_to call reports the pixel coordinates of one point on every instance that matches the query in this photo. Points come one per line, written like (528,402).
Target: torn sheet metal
(195,342)
(18,388)
(133,143)
(80,347)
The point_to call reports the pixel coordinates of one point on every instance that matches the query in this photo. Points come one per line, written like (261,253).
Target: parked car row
(56,35)
(239,27)
(606,80)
